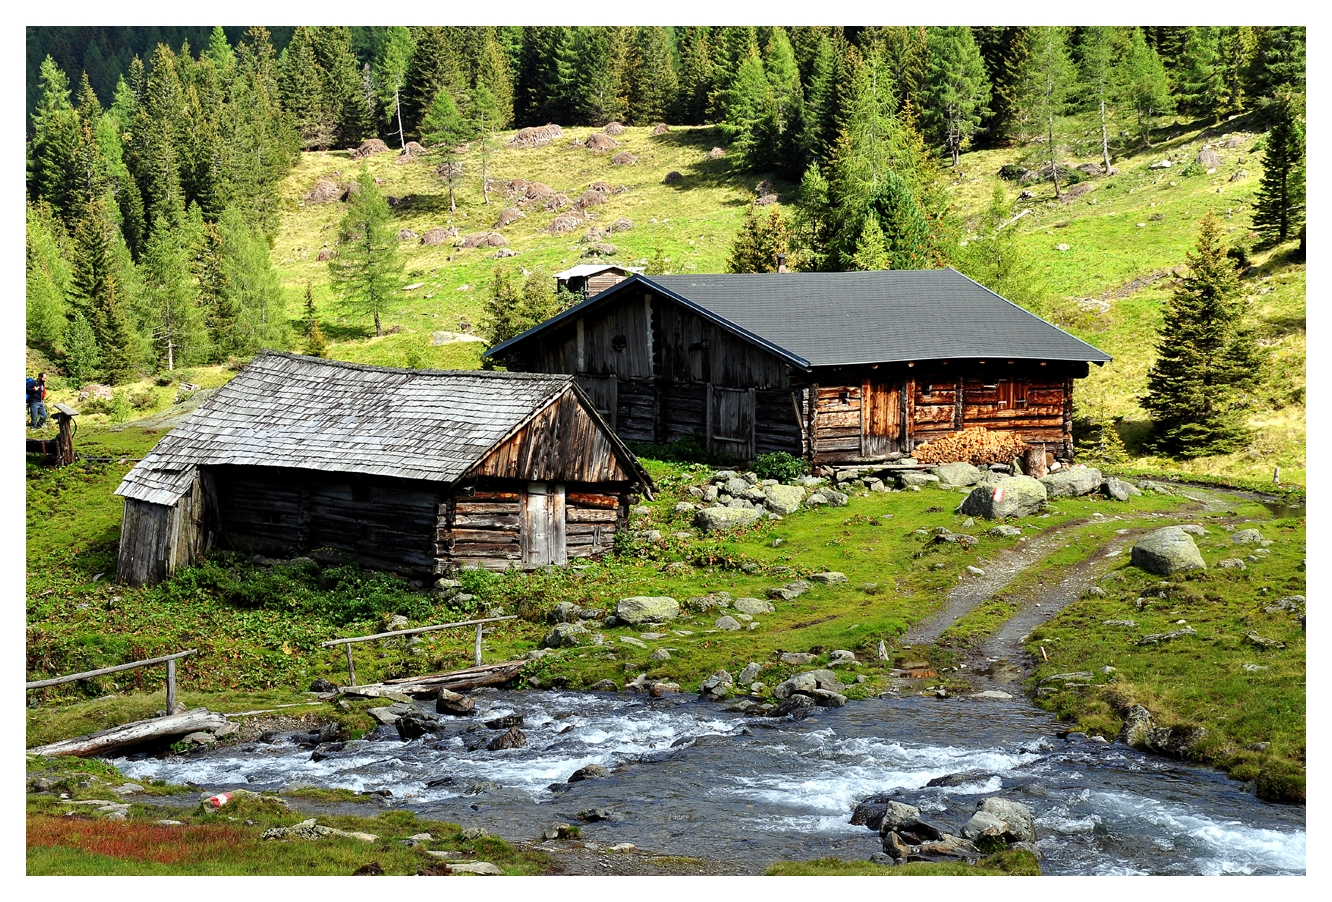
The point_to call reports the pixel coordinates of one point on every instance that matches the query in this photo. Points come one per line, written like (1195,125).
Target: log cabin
(833,367)
(588,279)
(414,471)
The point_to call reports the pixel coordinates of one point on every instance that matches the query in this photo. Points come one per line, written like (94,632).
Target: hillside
(1106,257)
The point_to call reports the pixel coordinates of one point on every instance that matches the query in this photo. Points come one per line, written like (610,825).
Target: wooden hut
(589,279)
(414,471)
(834,367)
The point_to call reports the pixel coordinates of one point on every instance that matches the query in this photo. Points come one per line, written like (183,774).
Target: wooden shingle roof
(286,410)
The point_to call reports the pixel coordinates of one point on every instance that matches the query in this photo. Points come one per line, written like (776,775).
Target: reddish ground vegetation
(134,841)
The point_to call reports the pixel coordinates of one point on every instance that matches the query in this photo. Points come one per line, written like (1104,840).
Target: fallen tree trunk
(455,681)
(133,734)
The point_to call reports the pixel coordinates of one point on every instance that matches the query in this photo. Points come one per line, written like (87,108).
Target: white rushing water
(695,780)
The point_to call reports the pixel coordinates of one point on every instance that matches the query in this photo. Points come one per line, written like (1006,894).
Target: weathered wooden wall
(156,539)
(560,444)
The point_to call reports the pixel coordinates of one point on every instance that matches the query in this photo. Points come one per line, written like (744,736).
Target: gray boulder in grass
(715,519)
(1011,496)
(647,609)
(1072,482)
(955,475)
(1167,550)
(783,499)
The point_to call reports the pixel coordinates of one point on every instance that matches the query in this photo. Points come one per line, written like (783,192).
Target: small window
(619,342)
(844,398)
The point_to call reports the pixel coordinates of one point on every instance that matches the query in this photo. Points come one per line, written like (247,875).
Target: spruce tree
(55,147)
(302,89)
(759,242)
(821,106)
(170,290)
(783,122)
(1278,61)
(493,77)
(1206,357)
(445,128)
(696,84)
(97,290)
(746,105)
(907,55)
(1237,48)
(435,67)
(1147,91)
(654,89)
(367,271)
(956,90)
(315,345)
(1201,76)
(82,359)
(1279,206)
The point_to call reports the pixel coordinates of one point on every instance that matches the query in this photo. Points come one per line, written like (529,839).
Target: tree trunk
(1105,140)
(485,187)
(378,331)
(397,102)
(1054,162)
(134,733)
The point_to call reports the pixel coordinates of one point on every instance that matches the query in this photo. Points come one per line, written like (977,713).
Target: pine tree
(1147,92)
(760,241)
(97,290)
(435,67)
(956,90)
(302,89)
(390,71)
(1279,205)
(654,88)
(783,122)
(745,105)
(1045,82)
(1201,76)
(906,52)
(315,346)
(1278,61)
(170,290)
(55,147)
(1206,357)
(493,78)
(696,84)
(367,271)
(83,359)
(251,288)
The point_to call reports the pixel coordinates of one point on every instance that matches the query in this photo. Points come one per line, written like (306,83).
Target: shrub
(687,449)
(142,397)
(779,465)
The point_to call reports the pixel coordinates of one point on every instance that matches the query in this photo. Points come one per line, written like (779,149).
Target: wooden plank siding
(157,539)
(561,443)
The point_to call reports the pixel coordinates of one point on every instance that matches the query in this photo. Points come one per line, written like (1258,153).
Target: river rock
(415,724)
(455,703)
(783,499)
(1072,482)
(830,577)
(749,674)
(662,687)
(956,475)
(604,686)
(503,723)
(565,635)
(798,706)
(717,686)
(825,698)
(387,716)
(1247,537)
(808,682)
(716,519)
(1007,820)
(754,606)
(588,772)
(512,738)
(1009,496)
(727,622)
(1137,724)
(831,497)
(647,609)
(947,848)
(1167,551)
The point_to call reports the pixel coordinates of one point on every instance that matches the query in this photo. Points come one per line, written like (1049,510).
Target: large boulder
(647,609)
(956,475)
(1001,819)
(783,499)
(565,635)
(717,686)
(807,683)
(1072,482)
(1011,496)
(754,606)
(716,519)
(1118,489)
(909,478)
(450,702)
(1166,551)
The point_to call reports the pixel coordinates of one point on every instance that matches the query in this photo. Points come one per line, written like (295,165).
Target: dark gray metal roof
(845,318)
(286,410)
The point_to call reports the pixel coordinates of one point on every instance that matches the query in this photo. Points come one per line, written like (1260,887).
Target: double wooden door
(541,528)
(881,418)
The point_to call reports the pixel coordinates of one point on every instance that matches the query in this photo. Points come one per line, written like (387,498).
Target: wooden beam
(39,684)
(412,632)
(134,733)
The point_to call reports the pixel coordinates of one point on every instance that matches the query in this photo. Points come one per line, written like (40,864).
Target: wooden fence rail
(168,660)
(347,643)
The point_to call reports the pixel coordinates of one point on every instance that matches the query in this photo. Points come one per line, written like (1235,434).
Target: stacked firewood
(975,445)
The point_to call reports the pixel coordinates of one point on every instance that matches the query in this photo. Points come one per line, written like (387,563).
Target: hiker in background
(37,401)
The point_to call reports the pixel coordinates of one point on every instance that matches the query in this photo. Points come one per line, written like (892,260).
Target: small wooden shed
(414,471)
(589,279)
(833,367)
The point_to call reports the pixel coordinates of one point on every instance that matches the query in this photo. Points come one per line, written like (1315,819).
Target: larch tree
(367,271)
(994,257)
(1146,88)
(1279,205)
(1197,390)
(1100,81)
(956,91)
(760,241)
(445,127)
(170,292)
(315,345)
(390,74)
(1046,80)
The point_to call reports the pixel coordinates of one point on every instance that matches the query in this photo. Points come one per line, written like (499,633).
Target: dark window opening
(619,342)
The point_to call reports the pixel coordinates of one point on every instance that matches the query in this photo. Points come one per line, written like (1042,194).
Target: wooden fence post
(171,687)
(351,665)
(478,644)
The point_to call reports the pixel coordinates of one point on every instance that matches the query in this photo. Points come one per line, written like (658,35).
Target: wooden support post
(479,627)
(351,665)
(171,687)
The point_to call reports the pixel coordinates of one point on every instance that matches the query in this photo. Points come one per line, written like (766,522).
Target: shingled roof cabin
(414,471)
(832,367)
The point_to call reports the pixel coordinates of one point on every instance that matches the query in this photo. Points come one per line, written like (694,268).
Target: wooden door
(731,422)
(881,418)
(603,392)
(541,530)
